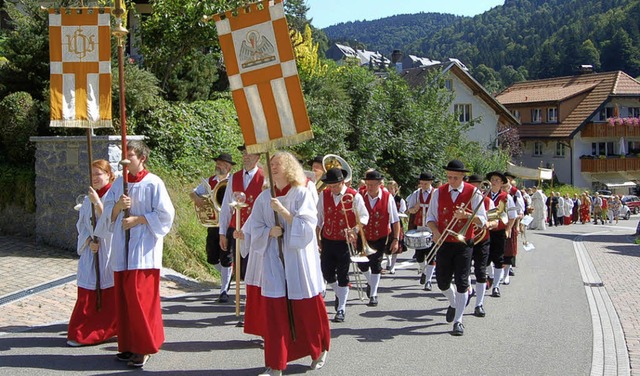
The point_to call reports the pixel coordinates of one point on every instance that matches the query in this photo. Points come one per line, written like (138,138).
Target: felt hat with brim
(475,178)
(334,175)
(497,173)
(426,176)
(455,165)
(510,175)
(242,147)
(316,159)
(373,175)
(225,157)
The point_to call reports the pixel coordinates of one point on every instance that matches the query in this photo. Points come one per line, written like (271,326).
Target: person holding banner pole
(296,278)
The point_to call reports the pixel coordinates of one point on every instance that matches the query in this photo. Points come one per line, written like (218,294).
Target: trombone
(460,236)
(356,256)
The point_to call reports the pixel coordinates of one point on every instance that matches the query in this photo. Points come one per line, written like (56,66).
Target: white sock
(367,276)
(218,267)
(480,289)
(505,273)
(392,264)
(490,271)
(497,275)
(375,282)
(225,278)
(451,295)
(342,293)
(388,259)
(429,272)
(461,301)
(334,286)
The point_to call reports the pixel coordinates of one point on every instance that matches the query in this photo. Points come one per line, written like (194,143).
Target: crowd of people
(294,237)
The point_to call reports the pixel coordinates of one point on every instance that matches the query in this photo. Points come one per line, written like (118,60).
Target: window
(602,148)
(448,84)
(606,113)
(536,115)
(552,115)
(516,114)
(560,149)
(537,149)
(634,112)
(463,111)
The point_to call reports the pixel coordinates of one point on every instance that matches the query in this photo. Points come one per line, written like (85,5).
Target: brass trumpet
(330,161)
(209,213)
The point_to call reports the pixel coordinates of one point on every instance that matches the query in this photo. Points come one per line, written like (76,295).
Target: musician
(299,280)
(455,201)
(498,235)
(382,231)
(220,260)
(137,264)
(317,167)
(401,207)
(511,247)
(88,325)
(481,253)
(249,180)
(337,225)
(418,203)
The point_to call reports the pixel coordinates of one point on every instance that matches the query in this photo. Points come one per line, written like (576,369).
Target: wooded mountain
(529,38)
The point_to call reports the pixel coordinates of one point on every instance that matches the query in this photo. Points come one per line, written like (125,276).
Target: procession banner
(263,76)
(80,67)
(530,173)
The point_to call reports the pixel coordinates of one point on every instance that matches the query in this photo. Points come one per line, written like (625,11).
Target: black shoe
(339,317)
(368,291)
(495,292)
(373,301)
(458,329)
(124,356)
(427,286)
(511,273)
(451,313)
(479,311)
(335,304)
(423,278)
(223,298)
(138,361)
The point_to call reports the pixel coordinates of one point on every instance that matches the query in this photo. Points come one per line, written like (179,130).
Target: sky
(330,12)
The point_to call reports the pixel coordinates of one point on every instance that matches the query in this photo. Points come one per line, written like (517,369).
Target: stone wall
(62,174)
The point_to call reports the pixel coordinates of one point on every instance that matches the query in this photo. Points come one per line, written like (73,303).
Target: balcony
(615,164)
(602,130)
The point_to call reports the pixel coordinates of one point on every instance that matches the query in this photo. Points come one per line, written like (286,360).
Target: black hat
(373,175)
(455,165)
(334,175)
(509,175)
(225,157)
(475,178)
(426,176)
(497,173)
(242,147)
(316,159)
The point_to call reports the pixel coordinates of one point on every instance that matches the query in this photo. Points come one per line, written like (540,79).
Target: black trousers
(215,255)
(497,240)
(231,247)
(480,259)
(421,255)
(334,261)
(375,260)
(454,261)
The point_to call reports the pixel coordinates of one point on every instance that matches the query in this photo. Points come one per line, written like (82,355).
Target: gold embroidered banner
(80,67)
(263,76)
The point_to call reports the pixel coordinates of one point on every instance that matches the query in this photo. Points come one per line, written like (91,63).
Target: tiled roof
(596,88)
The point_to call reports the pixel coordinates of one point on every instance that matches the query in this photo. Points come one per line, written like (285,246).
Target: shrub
(17,186)
(18,121)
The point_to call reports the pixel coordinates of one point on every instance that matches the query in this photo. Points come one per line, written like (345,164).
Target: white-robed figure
(90,325)
(299,280)
(538,200)
(137,268)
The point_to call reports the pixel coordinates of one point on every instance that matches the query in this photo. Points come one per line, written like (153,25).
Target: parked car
(625,212)
(633,202)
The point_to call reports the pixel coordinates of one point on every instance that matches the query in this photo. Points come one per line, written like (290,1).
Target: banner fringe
(280,143)
(81,123)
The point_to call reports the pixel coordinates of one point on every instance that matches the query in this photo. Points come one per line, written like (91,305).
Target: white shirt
(226,211)
(201,189)
(86,264)
(476,202)
(391,206)
(358,204)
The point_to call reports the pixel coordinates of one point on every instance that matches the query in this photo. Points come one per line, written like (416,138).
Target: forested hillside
(536,38)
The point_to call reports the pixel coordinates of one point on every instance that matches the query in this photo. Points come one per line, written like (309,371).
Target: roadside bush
(18,121)
(17,187)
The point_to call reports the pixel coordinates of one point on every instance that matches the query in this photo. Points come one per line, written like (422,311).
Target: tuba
(209,213)
(333,161)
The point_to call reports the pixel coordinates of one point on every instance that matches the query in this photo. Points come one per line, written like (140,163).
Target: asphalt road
(540,326)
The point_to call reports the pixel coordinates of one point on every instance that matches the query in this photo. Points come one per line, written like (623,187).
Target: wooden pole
(96,256)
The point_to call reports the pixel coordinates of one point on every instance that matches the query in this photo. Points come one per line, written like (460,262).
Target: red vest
(501,197)
(334,218)
(446,207)
(417,219)
(378,226)
(253,190)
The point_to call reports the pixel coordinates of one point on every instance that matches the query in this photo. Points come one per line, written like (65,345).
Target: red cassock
(87,325)
(255,321)
(140,326)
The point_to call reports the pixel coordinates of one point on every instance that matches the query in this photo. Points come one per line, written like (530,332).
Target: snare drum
(418,239)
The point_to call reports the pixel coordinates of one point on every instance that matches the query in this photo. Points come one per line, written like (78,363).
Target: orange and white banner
(80,54)
(263,76)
